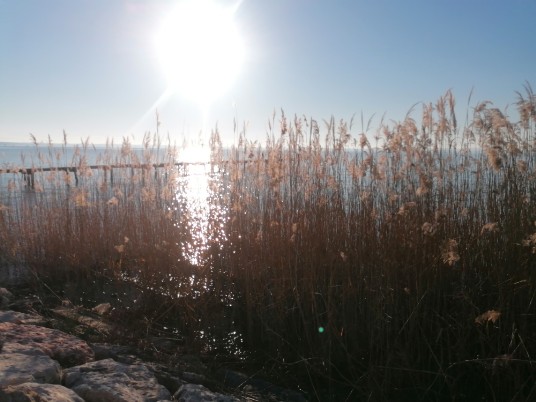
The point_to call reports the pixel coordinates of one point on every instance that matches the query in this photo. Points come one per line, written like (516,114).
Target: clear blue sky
(89,67)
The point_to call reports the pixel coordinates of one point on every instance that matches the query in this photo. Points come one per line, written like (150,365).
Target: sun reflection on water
(202,213)
(202,217)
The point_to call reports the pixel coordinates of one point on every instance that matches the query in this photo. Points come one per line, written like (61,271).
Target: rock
(233,379)
(110,381)
(194,378)
(166,376)
(33,357)
(26,303)
(23,349)
(199,393)
(18,368)
(5,297)
(33,392)
(191,363)
(67,303)
(66,349)
(129,359)
(166,344)
(106,351)
(102,309)
(21,318)
(81,317)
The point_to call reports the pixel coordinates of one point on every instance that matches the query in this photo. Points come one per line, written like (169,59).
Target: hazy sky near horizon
(90,67)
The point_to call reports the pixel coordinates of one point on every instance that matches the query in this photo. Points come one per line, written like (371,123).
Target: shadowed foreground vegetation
(396,264)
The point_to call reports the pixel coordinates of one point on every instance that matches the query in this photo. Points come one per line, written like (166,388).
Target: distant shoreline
(56,144)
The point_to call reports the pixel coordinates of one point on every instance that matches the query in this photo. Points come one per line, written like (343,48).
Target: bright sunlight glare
(200,50)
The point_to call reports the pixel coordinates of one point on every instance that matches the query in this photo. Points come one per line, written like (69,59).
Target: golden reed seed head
(489,316)
(450,254)
(113,201)
(522,166)
(494,159)
(530,241)
(429,229)
(492,227)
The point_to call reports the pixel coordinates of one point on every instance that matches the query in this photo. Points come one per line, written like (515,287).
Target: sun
(200,50)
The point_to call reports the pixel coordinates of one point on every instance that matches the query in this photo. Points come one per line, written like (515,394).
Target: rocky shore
(43,357)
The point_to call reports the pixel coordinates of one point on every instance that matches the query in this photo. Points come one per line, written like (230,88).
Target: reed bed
(117,224)
(393,264)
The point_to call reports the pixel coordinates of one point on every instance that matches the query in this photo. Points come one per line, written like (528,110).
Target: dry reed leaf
(258,238)
(365,196)
(332,183)
(3,207)
(120,248)
(113,201)
(236,208)
(51,176)
(451,257)
(404,209)
(492,227)
(86,172)
(450,254)
(393,198)
(148,194)
(80,198)
(440,214)
(421,191)
(429,229)
(103,187)
(490,315)
(530,242)
(522,166)
(67,178)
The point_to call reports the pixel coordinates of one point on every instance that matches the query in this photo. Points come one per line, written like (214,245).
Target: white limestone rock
(68,350)
(5,297)
(102,309)
(111,381)
(21,318)
(31,392)
(200,393)
(18,368)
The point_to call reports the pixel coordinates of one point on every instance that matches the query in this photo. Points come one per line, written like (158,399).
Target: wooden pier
(29,173)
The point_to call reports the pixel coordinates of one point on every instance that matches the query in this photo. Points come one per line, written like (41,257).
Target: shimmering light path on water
(199,195)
